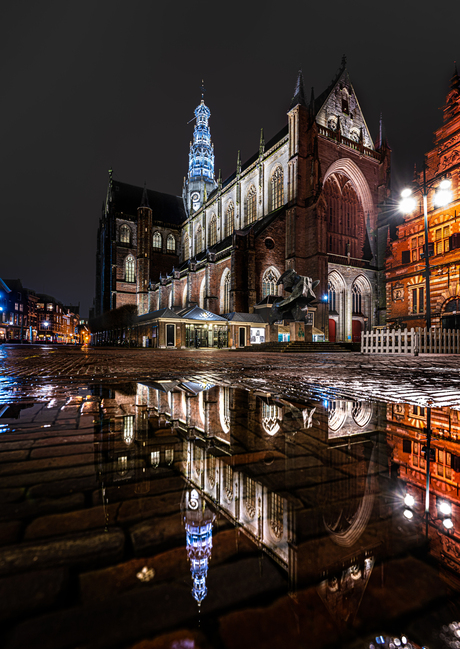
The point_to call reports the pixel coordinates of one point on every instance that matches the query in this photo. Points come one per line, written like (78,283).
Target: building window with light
(249,496)
(416,245)
(276,189)
(441,237)
(198,240)
(130,270)
(229,220)
(226,286)
(250,206)
(157,241)
(276,515)
(170,243)
(331,296)
(269,282)
(125,234)
(356,295)
(212,231)
(186,247)
(418,299)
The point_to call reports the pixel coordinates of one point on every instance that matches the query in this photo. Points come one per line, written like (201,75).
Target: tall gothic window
(226,285)
(202,293)
(130,269)
(250,205)
(125,234)
(270,418)
(269,280)
(212,234)
(157,241)
(228,483)
(249,496)
(356,293)
(211,471)
(345,217)
(186,247)
(276,515)
(198,240)
(331,296)
(170,243)
(276,189)
(229,220)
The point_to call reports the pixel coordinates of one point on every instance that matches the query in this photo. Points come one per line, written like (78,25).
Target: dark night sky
(93,84)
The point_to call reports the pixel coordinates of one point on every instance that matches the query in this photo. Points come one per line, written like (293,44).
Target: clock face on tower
(195,200)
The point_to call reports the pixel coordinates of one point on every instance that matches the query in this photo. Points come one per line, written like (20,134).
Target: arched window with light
(212,231)
(225,291)
(125,234)
(356,296)
(331,296)
(170,243)
(276,189)
(186,247)
(269,282)
(229,220)
(198,240)
(130,269)
(157,241)
(250,206)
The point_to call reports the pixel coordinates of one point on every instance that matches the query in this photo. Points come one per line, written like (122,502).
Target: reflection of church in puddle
(299,480)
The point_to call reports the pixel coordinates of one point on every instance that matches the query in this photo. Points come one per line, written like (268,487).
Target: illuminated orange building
(406,289)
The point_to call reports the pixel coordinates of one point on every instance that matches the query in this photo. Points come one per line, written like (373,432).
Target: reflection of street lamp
(442,197)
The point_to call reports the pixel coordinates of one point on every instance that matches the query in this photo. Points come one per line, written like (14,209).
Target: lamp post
(442,197)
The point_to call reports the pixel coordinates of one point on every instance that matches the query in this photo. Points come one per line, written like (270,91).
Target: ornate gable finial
(203,89)
(145,198)
(299,91)
(238,163)
(261,142)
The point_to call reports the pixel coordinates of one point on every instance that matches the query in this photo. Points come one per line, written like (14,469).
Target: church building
(307,200)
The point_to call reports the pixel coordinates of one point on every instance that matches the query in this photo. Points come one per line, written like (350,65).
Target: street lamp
(443,196)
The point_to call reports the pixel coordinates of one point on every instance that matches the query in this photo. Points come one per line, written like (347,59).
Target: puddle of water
(137,509)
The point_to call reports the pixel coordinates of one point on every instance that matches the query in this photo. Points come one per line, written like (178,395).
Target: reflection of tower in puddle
(198,520)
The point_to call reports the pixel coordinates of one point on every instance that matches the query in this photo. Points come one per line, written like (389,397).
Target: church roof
(161,313)
(244,317)
(165,207)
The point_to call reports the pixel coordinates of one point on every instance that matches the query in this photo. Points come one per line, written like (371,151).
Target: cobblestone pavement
(426,379)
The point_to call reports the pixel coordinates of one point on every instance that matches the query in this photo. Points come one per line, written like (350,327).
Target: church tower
(200,181)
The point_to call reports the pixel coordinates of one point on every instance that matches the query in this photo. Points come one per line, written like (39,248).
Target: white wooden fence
(413,341)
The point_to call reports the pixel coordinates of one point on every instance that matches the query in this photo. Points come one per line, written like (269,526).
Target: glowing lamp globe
(408,203)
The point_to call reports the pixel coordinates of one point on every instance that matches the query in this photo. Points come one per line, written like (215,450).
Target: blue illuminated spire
(201,160)
(201,156)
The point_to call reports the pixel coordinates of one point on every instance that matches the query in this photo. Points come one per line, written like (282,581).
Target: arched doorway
(332,330)
(451,316)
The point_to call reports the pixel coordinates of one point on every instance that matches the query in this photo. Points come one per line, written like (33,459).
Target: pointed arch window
(276,189)
(331,296)
(125,234)
(229,220)
(276,515)
(250,206)
(186,247)
(202,293)
(269,280)
(198,240)
(130,269)
(157,241)
(212,234)
(249,496)
(357,297)
(226,285)
(171,243)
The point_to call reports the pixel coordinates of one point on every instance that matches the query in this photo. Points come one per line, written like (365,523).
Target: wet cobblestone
(31,372)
